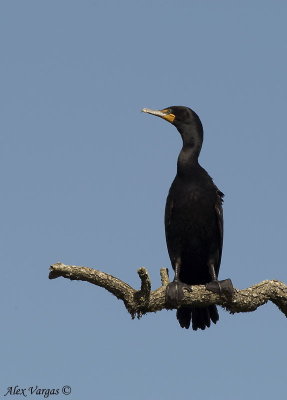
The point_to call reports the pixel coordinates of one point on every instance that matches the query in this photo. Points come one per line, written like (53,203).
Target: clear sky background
(85,176)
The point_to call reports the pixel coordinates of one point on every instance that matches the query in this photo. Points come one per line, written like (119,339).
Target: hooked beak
(165,114)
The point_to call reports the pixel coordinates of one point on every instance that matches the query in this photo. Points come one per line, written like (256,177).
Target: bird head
(179,116)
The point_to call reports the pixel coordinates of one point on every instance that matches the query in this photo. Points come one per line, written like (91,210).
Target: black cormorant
(193,219)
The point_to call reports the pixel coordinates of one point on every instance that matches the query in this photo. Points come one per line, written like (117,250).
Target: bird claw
(175,293)
(221,287)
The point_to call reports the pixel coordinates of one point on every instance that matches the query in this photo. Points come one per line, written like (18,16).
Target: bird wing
(167,221)
(219,215)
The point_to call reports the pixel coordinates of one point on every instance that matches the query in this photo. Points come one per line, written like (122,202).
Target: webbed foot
(175,293)
(221,287)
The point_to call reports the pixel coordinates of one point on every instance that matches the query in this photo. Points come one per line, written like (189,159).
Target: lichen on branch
(145,300)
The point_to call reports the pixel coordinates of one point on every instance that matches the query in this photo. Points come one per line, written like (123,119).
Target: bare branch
(139,302)
(164,276)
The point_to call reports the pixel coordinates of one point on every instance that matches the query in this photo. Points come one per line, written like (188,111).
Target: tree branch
(139,302)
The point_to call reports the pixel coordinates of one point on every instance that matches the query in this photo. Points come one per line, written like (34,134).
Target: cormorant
(193,220)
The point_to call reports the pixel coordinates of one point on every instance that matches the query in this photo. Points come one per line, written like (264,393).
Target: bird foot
(175,293)
(221,287)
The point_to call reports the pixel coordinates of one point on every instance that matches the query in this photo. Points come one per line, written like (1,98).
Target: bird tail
(200,317)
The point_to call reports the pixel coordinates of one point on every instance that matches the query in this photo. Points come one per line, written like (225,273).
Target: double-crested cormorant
(193,220)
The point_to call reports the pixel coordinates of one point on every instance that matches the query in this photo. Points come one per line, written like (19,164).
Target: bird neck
(188,156)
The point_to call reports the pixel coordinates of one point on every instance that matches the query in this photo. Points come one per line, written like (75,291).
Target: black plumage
(193,218)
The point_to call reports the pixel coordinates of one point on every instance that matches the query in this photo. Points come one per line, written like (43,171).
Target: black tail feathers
(200,317)
(183,315)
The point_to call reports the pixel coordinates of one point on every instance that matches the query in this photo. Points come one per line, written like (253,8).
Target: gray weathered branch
(144,300)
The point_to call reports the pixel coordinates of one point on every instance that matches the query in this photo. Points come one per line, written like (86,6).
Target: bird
(193,220)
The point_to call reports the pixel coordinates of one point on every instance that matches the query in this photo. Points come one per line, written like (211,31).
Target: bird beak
(165,114)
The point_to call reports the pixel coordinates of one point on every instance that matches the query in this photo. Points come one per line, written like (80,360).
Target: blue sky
(85,177)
